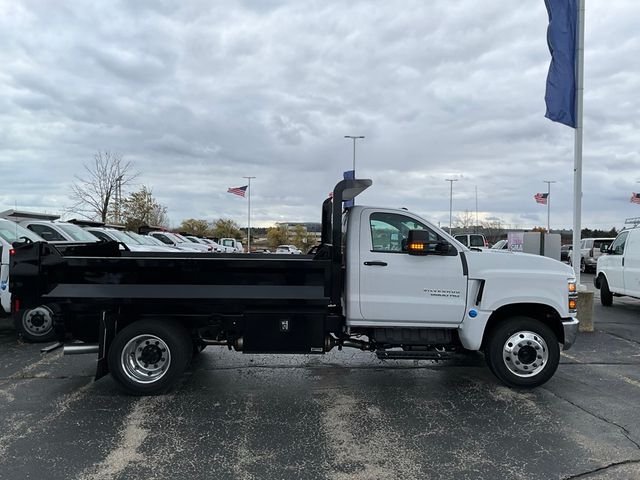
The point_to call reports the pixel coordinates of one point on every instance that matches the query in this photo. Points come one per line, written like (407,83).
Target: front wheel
(522,352)
(148,356)
(606,297)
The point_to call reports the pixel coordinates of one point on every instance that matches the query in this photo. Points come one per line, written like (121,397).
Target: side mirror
(418,243)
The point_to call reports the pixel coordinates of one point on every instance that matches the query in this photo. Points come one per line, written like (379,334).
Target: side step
(413,355)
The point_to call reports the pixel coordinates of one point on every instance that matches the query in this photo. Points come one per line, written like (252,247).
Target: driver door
(398,289)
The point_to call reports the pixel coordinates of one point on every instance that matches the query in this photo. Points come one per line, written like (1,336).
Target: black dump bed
(103,274)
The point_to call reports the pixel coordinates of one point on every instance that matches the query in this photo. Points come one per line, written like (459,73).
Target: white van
(618,270)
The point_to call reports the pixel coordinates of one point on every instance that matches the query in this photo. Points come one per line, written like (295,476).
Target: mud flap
(105,337)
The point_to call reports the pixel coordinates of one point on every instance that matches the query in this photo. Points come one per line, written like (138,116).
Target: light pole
(249,214)
(354,138)
(549,182)
(450,180)
(475,230)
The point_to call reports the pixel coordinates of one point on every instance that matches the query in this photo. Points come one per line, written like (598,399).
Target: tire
(522,352)
(197,349)
(606,297)
(35,325)
(165,349)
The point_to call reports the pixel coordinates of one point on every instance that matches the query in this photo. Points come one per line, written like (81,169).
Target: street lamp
(354,138)
(450,180)
(549,182)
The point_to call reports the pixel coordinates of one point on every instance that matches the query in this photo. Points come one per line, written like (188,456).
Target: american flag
(541,198)
(241,191)
(635,197)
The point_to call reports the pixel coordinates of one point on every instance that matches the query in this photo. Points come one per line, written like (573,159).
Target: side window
(477,241)
(389,231)
(589,244)
(163,239)
(617,246)
(46,232)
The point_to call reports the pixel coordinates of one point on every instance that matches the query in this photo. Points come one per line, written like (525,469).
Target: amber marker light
(572,304)
(572,288)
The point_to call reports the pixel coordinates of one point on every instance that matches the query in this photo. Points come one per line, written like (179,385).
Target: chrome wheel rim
(38,321)
(525,354)
(145,359)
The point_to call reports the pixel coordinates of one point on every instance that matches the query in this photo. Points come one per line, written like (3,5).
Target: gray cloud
(199,94)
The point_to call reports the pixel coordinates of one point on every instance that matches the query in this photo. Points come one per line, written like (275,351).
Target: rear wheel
(522,352)
(606,297)
(35,324)
(148,356)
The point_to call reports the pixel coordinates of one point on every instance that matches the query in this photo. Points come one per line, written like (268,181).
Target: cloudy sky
(197,94)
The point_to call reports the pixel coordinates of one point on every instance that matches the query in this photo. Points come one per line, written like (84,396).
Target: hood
(505,260)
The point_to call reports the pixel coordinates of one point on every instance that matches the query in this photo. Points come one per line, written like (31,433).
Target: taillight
(16,305)
(12,251)
(591,252)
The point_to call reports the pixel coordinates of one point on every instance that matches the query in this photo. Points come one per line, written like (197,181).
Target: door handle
(376,263)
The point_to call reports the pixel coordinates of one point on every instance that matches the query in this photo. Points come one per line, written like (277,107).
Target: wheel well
(544,313)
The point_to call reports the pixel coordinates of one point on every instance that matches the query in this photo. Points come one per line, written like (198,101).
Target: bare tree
(98,193)
(493,229)
(465,220)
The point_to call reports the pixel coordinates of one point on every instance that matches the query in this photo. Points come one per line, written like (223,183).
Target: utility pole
(577,151)
(549,182)
(249,214)
(450,180)
(476,229)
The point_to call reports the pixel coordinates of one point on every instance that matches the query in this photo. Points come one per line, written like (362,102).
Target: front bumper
(570,326)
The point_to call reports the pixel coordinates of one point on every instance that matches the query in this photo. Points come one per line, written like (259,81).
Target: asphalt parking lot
(344,415)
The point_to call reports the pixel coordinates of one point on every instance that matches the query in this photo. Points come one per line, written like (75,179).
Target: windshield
(180,238)
(76,233)
(499,244)
(12,232)
(123,237)
(143,239)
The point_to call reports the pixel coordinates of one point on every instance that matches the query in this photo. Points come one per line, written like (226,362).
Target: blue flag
(560,96)
(349,175)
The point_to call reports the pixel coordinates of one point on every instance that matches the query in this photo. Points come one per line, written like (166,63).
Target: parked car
(564,252)
(590,252)
(57,232)
(209,243)
(288,249)
(174,239)
(618,269)
(111,234)
(472,240)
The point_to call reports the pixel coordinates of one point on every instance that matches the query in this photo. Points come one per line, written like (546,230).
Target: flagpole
(548,182)
(249,214)
(577,159)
